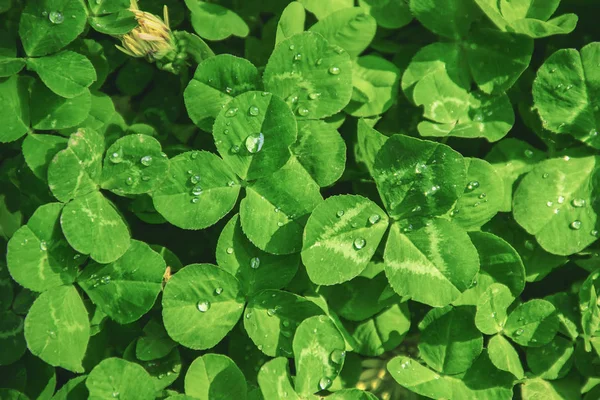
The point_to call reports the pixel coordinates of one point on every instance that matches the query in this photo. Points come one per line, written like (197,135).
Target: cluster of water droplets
(97,281)
(360,242)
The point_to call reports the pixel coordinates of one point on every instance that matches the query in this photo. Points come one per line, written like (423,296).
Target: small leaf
(504,356)
(195,313)
(105,284)
(451,19)
(199,190)
(215,22)
(340,238)
(319,351)
(59,337)
(532,324)
(392,14)
(116,378)
(274,380)
(39,150)
(492,309)
(271,319)
(212,374)
(552,361)
(14,107)
(52,112)
(81,72)
(291,21)
(93,226)
(418,378)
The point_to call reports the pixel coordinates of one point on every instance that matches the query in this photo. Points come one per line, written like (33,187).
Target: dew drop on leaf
(298,57)
(373,219)
(195,200)
(129,181)
(549,203)
(337,356)
(271,312)
(578,203)
(56,17)
(324,383)
(115,158)
(254,262)
(146,161)
(545,175)
(519,332)
(303,111)
(253,111)
(197,190)
(528,153)
(594,232)
(314,95)
(334,70)
(575,225)
(231,112)
(235,149)
(561,199)
(218,291)
(359,243)
(472,185)
(228,90)
(229,250)
(340,213)
(203,306)
(254,142)
(43,245)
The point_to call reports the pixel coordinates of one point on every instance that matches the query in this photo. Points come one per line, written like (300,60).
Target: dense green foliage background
(371,199)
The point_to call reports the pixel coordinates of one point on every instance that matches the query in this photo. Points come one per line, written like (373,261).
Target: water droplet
(545,175)
(337,356)
(472,185)
(593,132)
(194,155)
(254,142)
(43,245)
(195,200)
(229,250)
(482,196)
(203,306)
(145,178)
(359,243)
(228,90)
(575,225)
(298,57)
(408,228)
(195,179)
(253,111)
(594,233)
(314,96)
(56,17)
(231,112)
(105,280)
(519,332)
(146,161)
(303,111)
(529,245)
(334,70)
(293,99)
(405,364)
(292,47)
(373,219)
(528,153)
(254,262)
(578,203)
(561,199)
(44,13)
(494,315)
(549,203)
(340,213)
(115,394)
(116,158)
(129,181)
(235,149)
(197,190)
(454,212)
(324,383)
(52,334)
(271,312)
(218,291)
(248,315)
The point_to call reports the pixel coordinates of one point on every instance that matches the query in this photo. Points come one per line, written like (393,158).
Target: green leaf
(253,134)
(497,59)
(500,263)
(118,23)
(552,390)
(274,380)
(512,158)
(93,226)
(201,304)
(39,150)
(350,28)
(11,394)
(513,10)
(390,14)
(255,269)
(75,171)
(314,77)
(271,319)
(504,356)
(321,151)
(555,202)
(418,378)
(291,21)
(369,142)
(450,341)
(319,351)
(163,371)
(433,264)
(155,344)
(566,306)
(322,9)
(380,79)
(50,111)
(340,238)
(14,107)
(57,328)
(564,93)
(199,190)
(134,164)
(215,375)
(561,25)
(426,181)
(533,323)
(483,381)
(482,197)
(492,309)
(107,6)
(74,388)
(589,307)
(105,283)
(215,22)
(38,255)
(9,63)
(47,26)
(11,337)
(216,81)
(352,394)
(275,209)
(451,19)
(114,377)
(382,332)
(552,361)
(81,73)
